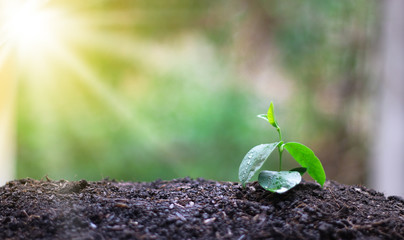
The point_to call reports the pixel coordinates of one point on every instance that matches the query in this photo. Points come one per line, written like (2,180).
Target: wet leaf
(279,182)
(271,115)
(254,160)
(301,170)
(307,159)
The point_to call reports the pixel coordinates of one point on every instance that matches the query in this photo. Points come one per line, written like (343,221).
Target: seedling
(280,181)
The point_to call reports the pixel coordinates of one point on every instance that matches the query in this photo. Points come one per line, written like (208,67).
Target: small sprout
(280,181)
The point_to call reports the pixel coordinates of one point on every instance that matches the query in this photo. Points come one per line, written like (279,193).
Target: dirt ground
(194,209)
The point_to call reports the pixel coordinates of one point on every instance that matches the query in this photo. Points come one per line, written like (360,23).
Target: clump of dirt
(194,209)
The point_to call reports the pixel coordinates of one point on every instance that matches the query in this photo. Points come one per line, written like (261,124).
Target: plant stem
(280,158)
(279,132)
(280,147)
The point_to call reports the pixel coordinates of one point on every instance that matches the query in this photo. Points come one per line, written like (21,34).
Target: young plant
(280,181)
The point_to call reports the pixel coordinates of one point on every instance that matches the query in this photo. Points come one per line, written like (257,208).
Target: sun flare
(43,35)
(29,26)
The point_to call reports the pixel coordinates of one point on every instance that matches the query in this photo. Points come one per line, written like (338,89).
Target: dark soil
(194,209)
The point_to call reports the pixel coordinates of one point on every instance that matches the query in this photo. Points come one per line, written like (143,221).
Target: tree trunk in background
(387,166)
(7,99)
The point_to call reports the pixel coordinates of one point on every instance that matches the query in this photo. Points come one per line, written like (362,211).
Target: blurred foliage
(166,89)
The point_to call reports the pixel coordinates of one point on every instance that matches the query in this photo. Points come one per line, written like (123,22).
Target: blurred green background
(166,89)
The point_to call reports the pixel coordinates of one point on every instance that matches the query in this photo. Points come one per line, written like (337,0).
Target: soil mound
(194,209)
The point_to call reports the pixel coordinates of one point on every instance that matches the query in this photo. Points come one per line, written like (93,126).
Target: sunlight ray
(129,47)
(46,124)
(92,80)
(49,40)
(5,51)
(104,93)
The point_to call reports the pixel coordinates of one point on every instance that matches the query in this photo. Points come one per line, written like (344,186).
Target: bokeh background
(148,89)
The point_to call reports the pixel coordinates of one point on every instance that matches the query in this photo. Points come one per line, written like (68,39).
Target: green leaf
(271,116)
(254,160)
(279,182)
(263,116)
(301,170)
(306,158)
